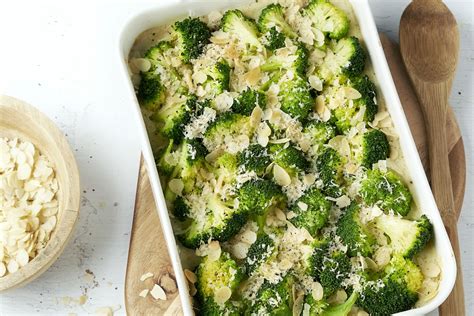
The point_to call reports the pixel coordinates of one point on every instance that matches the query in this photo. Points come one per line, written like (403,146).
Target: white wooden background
(61,57)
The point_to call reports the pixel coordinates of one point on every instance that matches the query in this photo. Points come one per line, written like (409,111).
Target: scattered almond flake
(253,76)
(362,313)
(3,269)
(351,93)
(146,276)
(158,293)
(298,303)
(382,256)
(22,257)
(224,101)
(317,291)
(306,309)
(222,295)
(190,276)
(176,186)
(291,215)
(339,297)
(280,141)
(240,250)
(249,237)
(142,64)
(303,206)
(12,266)
(144,293)
(192,290)
(371,264)
(320,105)
(316,83)
(343,201)
(199,77)
(213,155)
(281,176)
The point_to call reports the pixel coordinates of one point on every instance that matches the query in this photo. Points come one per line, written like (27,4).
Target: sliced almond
(382,256)
(240,250)
(22,257)
(199,77)
(146,276)
(190,276)
(351,93)
(12,266)
(317,291)
(319,105)
(253,76)
(315,83)
(298,304)
(222,295)
(144,293)
(3,269)
(343,201)
(142,64)
(176,186)
(281,176)
(249,237)
(158,293)
(303,206)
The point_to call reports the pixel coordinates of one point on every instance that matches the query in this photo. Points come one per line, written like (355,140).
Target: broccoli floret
(272,16)
(289,158)
(330,166)
(175,116)
(225,125)
(259,252)
(387,191)
(316,308)
(220,222)
(151,93)
(346,57)
(181,209)
(353,233)
(213,275)
(319,133)
(254,158)
(258,197)
(398,292)
(297,62)
(375,147)
(344,114)
(193,35)
(315,261)
(315,212)
(226,168)
(329,267)
(248,100)
(273,299)
(342,309)
(273,39)
(243,28)
(218,77)
(336,267)
(328,18)
(368,94)
(407,237)
(166,160)
(295,98)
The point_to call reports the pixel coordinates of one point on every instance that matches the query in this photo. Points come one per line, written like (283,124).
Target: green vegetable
(254,158)
(316,212)
(319,133)
(248,100)
(375,147)
(175,116)
(327,18)
(330,166)
(242,27)
(342,309)
(273,299)
(193,36)
(272,16)
(218,78)
(289,158)
(387,191)
(151,93)
(212,276)
(260,251)
(353,233)
(295,98)
(273,39)
(297,62)
(407,237)
(399,290)
(347,58)
(220,222)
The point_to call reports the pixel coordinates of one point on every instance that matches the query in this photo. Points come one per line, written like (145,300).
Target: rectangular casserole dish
(169,11)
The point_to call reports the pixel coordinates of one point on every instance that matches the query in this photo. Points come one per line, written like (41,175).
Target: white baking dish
(166,12)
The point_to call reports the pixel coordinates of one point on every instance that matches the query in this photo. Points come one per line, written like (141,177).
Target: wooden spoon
(429,43)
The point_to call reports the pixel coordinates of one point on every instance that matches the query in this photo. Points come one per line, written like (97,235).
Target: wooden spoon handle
(435,113)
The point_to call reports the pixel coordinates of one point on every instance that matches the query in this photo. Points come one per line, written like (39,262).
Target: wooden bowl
(21,120)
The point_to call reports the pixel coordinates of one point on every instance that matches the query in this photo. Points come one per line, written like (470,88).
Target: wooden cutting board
(148,252)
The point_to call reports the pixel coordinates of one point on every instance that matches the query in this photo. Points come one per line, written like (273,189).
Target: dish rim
(153,16)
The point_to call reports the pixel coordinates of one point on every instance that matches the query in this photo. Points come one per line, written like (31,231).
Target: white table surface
(61,58)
